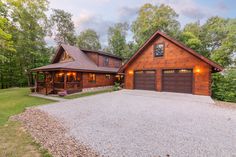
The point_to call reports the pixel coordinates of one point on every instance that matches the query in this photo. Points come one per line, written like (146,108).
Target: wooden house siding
(101,80)
(174,58)
(113,62)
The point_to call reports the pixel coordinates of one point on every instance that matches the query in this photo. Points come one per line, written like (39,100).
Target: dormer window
(159,50)
(106,61)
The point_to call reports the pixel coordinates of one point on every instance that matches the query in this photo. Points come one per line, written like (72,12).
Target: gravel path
(145,123)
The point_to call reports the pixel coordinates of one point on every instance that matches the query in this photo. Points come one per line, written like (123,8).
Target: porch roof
(76,66)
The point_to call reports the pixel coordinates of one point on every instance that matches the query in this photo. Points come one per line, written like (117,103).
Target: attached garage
(177,80)
(145,79)
(164,64)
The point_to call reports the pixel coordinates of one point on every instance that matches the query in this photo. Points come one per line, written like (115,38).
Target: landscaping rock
(52,135)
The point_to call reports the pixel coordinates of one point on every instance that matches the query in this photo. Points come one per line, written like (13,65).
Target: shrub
(224,86)
(116,86)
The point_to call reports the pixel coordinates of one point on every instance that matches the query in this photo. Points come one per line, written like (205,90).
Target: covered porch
(52,82)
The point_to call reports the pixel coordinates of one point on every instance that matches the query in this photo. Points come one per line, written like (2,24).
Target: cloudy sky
(100,14)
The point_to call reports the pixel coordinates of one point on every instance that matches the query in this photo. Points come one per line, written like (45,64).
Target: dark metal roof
(102,53)
(81,62)
(215,66)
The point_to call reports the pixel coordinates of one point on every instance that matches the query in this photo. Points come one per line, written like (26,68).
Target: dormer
(103,59)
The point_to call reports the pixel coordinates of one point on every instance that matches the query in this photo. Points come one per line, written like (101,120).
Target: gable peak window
(159,50)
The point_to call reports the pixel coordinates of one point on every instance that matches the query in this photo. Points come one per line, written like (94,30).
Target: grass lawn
(14,140)
(79,95)
(14,101)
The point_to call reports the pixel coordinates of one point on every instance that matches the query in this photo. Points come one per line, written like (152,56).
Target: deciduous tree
(152,18)
(62,27)
(117,39)
(88,39)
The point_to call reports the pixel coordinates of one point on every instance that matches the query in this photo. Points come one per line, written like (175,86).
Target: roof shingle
(81,62)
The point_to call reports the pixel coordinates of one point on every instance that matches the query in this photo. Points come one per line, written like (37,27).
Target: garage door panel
(177,81)
(145,80)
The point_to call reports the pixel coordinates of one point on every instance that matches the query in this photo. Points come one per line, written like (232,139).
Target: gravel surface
(137,123)
(52,135)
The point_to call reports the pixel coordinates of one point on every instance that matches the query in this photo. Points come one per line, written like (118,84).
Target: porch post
(36,81)
(65,76)
(45,82)
(53,77)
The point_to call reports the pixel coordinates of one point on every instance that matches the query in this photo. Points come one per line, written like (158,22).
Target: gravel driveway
(137,123)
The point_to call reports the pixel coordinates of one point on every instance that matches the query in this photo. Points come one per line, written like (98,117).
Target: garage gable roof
(215,66)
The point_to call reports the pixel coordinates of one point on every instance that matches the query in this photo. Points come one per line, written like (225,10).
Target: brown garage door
(145,80)
(177,80)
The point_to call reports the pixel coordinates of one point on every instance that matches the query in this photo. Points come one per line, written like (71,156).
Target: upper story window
(159,50)
(106,61)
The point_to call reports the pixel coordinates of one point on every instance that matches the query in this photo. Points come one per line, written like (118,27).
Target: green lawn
(14,140)
(14,101)
(79,95)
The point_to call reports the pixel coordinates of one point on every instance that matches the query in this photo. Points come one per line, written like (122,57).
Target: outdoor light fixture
(60,74)
(197,70)
(131,72)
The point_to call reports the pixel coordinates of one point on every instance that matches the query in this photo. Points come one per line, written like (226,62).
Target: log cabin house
(164,64)
(73,69)
(160,64)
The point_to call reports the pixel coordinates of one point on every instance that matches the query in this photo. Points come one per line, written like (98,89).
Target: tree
(191,41)
(224,85)
(88,39)
(218,38)
(152,18)
(194,28)
(6,43)
(62,27)
(28,30)
(117,39)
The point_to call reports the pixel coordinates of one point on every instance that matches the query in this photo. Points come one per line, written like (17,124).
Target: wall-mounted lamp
(197,70)
(131,72)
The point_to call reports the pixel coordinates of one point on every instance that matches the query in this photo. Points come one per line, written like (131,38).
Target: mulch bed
(51,134)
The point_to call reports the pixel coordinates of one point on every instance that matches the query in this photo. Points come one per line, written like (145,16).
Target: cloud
(101,1)
(89,20)
(222,6)
(127,13)
(188,8)
(195,13)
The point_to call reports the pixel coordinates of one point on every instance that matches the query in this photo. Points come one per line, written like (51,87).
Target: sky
(101,14)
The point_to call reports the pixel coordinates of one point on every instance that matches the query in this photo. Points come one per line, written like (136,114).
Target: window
(92,77)
(108,76)
(159,50)
(150,72)
(106,61)
(71,77)
(169,71)
(138,72)
(185,71)
(65,57)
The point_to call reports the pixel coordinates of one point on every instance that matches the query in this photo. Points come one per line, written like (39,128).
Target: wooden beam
(36,81)
(65,76)
(45,83)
